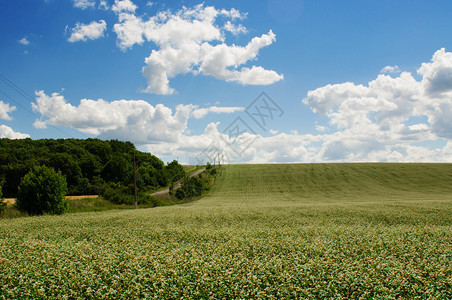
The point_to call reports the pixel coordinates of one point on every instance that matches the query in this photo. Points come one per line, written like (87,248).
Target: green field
(263,231)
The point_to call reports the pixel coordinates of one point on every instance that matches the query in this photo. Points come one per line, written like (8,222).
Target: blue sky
(345,80)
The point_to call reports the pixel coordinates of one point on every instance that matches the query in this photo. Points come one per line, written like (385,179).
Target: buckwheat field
(263,231)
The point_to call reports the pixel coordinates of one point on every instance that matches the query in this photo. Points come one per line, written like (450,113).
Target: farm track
(178,185)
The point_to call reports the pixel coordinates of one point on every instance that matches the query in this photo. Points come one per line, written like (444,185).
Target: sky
(236,81)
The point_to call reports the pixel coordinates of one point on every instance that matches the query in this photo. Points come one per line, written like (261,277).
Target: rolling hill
(263,231)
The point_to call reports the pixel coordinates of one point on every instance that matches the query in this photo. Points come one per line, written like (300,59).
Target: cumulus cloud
(437,74)
(91,31)
(5,110)
(201,112)
(191,40)
(9,133)
(84,4)
(388,119)
(373,121)
(134,120)
(123,6)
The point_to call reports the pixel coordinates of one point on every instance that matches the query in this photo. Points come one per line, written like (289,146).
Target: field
(263,231)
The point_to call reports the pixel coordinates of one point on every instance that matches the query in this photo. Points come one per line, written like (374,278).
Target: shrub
(41,191)
(192,187)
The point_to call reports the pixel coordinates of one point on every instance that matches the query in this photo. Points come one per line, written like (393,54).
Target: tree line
(90,166)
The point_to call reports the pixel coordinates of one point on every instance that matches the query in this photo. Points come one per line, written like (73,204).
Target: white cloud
(437,74)
(123,6)
(321,128)
(390,69)
(134,120)
(372,122)
(235,29)
(5,109)
(191,41)
(84,4)
(201,112)
(129,31)
(91,31)
(24,41)
(234,14)
(9,133)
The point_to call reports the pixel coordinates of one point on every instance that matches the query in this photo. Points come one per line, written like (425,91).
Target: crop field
(263,231)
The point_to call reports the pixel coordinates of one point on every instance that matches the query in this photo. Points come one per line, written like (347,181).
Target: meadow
(263,231)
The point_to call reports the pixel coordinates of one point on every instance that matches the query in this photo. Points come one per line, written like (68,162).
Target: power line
(27,96)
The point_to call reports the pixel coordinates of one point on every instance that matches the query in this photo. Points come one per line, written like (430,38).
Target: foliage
(192,187)
(88,165)
(322,231)
(42,190)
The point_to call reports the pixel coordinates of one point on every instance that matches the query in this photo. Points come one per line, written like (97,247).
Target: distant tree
(208,166)
(41,191)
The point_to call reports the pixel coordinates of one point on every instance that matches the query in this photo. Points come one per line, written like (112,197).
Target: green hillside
(264,231)
(334,182)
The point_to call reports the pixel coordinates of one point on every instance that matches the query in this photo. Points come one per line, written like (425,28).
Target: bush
(41,191)
(192,187)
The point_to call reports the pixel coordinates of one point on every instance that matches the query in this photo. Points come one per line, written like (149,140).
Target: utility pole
(135,181)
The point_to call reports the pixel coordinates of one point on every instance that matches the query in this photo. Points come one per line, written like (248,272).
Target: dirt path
(166,191)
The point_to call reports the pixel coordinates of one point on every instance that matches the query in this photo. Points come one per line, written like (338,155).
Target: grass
(264,231)
(78,205)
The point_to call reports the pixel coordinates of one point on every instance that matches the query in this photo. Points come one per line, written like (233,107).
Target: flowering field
(264,231)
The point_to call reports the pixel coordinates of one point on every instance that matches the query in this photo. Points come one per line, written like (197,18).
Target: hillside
(334,182)
(264,231)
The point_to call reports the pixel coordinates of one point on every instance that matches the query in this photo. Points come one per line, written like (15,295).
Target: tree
(42,190)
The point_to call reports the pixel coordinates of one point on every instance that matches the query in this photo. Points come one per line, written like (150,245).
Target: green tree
(42,190)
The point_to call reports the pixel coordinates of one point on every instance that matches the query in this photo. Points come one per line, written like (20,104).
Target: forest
(91,166)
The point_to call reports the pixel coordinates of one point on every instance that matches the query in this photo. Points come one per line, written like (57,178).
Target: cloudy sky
(246,81)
